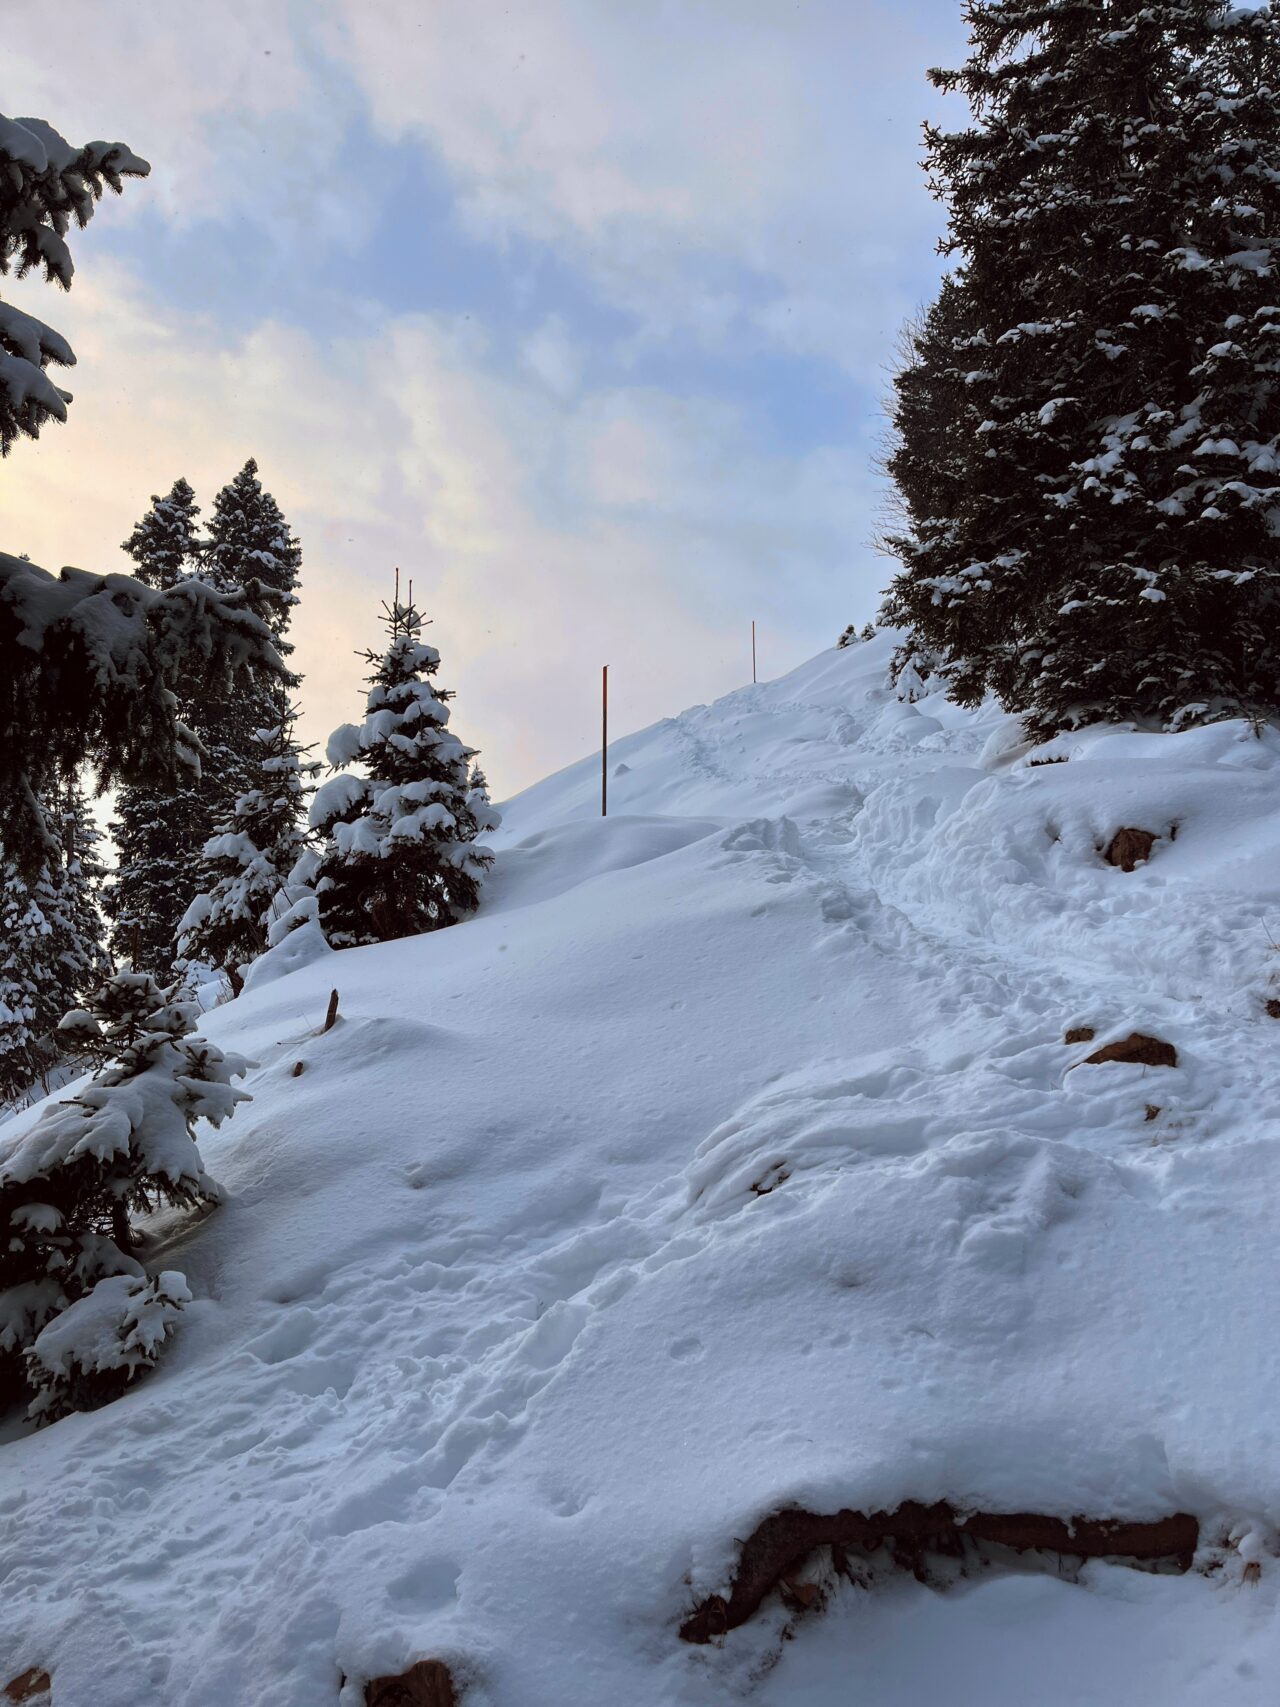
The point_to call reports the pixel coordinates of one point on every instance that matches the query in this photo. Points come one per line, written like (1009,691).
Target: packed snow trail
(731,1156)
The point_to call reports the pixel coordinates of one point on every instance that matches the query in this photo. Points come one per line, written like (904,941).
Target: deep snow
(498,1345)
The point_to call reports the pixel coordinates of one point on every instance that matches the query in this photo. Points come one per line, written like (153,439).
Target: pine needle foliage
(1089,434)
(399,853)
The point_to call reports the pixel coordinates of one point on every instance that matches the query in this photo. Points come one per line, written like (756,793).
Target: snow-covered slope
(731,1157)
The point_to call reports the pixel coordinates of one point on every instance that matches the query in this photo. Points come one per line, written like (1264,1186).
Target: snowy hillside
(731,1159)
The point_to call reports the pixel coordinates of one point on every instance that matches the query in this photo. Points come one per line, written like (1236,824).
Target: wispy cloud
(547,530)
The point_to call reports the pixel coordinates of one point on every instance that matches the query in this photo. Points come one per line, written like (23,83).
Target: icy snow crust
(731,1156)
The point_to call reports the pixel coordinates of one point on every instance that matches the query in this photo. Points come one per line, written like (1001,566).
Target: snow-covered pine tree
(164,544)
(400,855)
(156,828)
(87,669)
(250,548)
(25,1052)
(246,868)
(250,552)
(151,886)
(486,814)
(79,929)
(1089,442)
(51,947)
(45,185)
(69,1184)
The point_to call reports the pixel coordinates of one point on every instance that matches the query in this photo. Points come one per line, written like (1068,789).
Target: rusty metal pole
(604,743)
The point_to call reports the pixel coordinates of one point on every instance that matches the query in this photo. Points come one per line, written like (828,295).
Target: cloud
(737,173)
(551,355)
(231,102)
(723,170)
(548,528)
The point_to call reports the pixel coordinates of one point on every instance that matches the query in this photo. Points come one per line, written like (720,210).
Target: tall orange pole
(604,743)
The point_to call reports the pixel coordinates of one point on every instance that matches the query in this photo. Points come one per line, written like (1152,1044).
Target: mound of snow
(731,1156)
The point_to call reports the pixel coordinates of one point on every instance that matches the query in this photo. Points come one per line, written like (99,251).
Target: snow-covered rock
(730,1156)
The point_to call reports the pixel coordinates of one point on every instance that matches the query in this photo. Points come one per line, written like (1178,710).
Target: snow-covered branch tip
(46,185)
(87,667)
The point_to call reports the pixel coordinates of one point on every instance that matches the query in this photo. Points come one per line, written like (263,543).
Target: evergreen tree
(51,949)
(157,845)
(246,868)
(70,1183)
(1089,435)
(250,548)
(79,931)
(156,829)
(164,543)
(25,1052)
(249,554)
(399,854)
(483,810)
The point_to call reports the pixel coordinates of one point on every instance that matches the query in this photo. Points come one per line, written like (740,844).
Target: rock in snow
(730,1160)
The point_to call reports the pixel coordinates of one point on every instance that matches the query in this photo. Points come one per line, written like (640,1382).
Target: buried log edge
(782,1542)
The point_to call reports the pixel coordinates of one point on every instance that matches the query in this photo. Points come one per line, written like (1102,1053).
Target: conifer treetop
(400,852)
(250,548)
(164,543)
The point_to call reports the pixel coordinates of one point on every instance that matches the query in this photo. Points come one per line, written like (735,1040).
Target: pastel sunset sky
(580,311)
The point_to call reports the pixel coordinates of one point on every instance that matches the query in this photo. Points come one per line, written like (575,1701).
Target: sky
(581,312)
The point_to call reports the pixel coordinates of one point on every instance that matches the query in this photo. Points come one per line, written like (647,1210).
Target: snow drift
(730,1159)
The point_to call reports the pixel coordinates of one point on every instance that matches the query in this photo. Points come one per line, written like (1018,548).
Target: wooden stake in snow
(604,743)
(331,1017)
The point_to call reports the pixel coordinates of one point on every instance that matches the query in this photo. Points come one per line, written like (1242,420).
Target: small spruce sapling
(399,854)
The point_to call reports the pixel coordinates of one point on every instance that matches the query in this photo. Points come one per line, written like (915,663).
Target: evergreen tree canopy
(84,957)
(51,950)
(158,828)
(400,855)
(250,552)
(25,1050)
(157,832)
(164,543)
(1089,432)
(249,555)
(246,867)
(88,665)
(68,1184)
(46,185)
(251,549)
